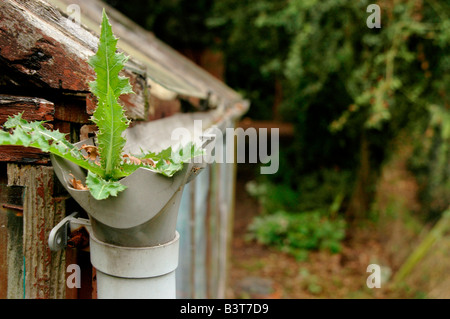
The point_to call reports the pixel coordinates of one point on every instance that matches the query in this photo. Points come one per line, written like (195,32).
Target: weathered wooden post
(44,74)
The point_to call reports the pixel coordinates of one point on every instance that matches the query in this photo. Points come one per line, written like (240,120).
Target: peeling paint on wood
(44,54)
(72,110)
(47,56)
(50,51)
(11,153)
(45,270)
(163,108)
(15,256)
(3,256)
(34,109)
(11,233)
(3,240)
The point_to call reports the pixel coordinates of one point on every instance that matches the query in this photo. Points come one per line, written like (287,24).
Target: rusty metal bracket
(59,235)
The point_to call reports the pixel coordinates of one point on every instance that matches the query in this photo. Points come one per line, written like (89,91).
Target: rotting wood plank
(72,110)
(3,238)
(163,108)
(47,56)
(11,233)
(174,70)
(50,51)
(34,109)
(20,154)
(44,270)
(15,256)
(3,255)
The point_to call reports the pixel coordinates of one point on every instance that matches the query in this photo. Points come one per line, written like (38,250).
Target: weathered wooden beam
(163,108)
(165,65)
(51,51)
(3,255)
(11,231)
(34,109)
(45,54)
(19,154)
(3,237)
(67,111)
(72,110)
(45,271)
(14,259)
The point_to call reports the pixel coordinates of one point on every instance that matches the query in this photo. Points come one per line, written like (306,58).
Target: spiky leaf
(34,134)
(108,86)
(167,162)
(101,188)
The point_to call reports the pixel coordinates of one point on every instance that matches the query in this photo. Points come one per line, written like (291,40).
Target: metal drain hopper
(134,243)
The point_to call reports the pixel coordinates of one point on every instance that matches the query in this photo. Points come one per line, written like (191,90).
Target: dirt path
(257,271)
(261,272)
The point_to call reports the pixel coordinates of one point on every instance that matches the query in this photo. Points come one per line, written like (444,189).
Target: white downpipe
(133,243)
(135,272)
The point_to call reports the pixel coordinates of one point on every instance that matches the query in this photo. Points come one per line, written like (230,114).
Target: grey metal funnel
(143,215)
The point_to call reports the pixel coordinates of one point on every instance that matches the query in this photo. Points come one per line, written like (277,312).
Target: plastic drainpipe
(134,244)
(135,272)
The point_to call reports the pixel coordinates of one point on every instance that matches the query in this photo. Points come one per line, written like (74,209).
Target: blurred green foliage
(298,221)
(431,162)
(340,83)
(319,190)
(179,23)
(298,233)
(342,80)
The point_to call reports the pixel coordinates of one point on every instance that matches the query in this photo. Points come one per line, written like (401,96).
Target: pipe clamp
(134,262)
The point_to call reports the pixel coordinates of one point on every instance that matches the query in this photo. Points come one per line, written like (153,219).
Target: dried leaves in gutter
(77,184)
(92,153)
(136,161)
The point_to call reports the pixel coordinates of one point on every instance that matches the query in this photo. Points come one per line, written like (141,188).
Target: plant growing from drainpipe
(106,164)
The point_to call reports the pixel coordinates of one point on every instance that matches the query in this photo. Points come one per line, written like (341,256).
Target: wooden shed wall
(44,73)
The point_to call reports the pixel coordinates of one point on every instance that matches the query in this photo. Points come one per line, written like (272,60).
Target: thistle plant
(106,162)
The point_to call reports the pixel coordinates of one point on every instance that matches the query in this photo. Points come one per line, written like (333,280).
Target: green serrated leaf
(164,154)
(168,168)
(25,138)
(108,64)
(111,121)
(101,188)
(35,135)
(169,161)
(15,121)
(5,137)
(108,86)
